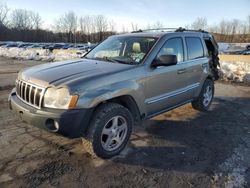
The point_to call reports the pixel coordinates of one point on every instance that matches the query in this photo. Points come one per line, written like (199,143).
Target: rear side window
(194,48)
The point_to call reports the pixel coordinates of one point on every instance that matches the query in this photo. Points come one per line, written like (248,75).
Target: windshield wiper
(109,59)
(114,60)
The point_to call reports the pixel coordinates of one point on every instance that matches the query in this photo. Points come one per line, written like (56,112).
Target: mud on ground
(181,148)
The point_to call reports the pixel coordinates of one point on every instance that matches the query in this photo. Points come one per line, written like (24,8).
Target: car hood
(59,73)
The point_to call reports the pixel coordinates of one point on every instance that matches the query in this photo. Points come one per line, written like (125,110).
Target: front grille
(30,93)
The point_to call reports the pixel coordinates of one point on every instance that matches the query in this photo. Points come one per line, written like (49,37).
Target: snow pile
(235,71)
(233,171)
(60,55)
(26,54)
(38,54)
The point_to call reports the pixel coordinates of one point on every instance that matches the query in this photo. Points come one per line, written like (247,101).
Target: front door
(168,86)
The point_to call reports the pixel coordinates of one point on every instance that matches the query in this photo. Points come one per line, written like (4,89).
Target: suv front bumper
(70,123)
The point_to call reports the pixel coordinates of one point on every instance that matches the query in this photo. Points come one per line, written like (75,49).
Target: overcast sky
(172,13)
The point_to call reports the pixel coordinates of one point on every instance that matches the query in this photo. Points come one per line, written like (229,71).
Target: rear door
(197,63)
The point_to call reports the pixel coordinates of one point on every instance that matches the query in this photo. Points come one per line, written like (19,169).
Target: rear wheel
(109,131)
(203,102)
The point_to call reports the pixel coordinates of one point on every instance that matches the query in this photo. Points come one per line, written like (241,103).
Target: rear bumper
(70,123)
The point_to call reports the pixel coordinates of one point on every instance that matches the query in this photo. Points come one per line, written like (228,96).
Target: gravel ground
(181,148)
(9,69)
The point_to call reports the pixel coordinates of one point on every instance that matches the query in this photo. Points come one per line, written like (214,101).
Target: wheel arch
(128,102)
(208,77)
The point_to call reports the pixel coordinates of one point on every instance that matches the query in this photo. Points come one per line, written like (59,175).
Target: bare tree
(222,30)
(4,10)
(112,25)
(124,29)
(134,26)
(86,27)
(95,28)
(21,19)
(199,23)
(101,23)
(213,28)
(155,25)
(243,31)
(158,24)
(235,28)
(248,23)
(87,24)
(84,24)
(67,23)
(37,21)
(222,27)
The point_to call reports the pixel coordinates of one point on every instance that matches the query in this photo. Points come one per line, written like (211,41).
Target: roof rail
(156,29)
(180,29)
(138,31)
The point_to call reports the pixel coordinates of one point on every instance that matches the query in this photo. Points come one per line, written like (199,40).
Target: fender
(91,98)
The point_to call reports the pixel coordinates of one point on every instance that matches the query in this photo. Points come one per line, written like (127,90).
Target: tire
(109,131)
(203,102)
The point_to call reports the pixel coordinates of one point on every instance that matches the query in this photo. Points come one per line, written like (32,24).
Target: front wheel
(203,102)
(109,131)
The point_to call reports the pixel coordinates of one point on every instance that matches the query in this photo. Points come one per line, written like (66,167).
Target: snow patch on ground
(235,71)
(233,171)
(38,54)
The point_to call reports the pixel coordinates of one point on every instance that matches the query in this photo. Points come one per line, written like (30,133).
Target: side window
(194,48)
(173,46)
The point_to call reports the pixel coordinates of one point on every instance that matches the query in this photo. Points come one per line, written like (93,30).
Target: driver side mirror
(165,60)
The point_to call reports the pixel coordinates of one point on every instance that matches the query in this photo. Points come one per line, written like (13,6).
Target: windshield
(123,49)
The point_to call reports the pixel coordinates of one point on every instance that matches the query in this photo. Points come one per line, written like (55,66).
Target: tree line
(226,30)
(25,25)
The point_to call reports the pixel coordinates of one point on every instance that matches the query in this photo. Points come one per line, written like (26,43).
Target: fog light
(52,125)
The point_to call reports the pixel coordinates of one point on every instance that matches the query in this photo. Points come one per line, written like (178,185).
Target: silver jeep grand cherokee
(125,79)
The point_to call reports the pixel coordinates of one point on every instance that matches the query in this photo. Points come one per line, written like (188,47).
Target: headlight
(59,98)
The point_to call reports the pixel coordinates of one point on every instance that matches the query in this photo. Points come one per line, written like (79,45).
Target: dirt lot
(9,69)
(181,148)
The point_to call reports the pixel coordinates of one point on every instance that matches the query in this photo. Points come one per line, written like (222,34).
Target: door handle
(181,71)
